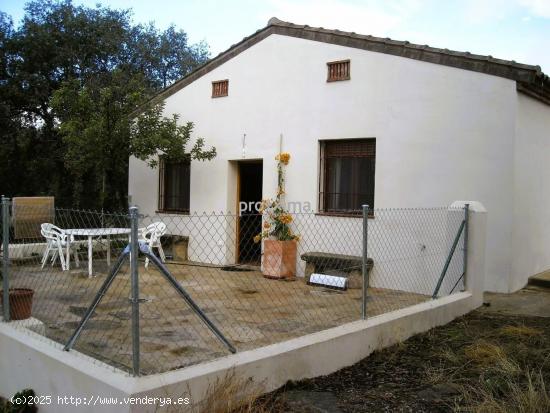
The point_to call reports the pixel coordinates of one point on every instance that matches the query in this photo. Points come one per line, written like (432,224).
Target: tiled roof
(529,79)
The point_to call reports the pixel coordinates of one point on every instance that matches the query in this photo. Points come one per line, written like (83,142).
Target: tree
(55,42)
(100,135)
(150,133)
(70,76)
(164,56)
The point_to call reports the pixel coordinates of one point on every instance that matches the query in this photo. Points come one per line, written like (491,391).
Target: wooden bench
(349,266)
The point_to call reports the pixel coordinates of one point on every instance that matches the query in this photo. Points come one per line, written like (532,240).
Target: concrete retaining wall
(29,360)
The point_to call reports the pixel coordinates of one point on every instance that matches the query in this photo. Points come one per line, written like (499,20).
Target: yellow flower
(257,238)
(267,224)
(285,218)
(283,157)
(263,206)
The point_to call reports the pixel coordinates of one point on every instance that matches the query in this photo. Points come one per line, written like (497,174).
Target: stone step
(540,280)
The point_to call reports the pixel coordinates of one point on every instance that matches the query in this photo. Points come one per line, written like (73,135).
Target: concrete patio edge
(42,364)
(313,355)
(28,360)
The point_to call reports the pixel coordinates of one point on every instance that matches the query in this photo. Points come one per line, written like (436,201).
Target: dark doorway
(250,221)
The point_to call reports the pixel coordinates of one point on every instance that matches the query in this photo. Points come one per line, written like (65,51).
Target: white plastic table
(95,232)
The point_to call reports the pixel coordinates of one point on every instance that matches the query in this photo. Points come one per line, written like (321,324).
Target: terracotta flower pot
(20,303)
(279,259)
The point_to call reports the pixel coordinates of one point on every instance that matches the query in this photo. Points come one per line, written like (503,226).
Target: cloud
(539,8)
(479,26)
(483,11)
(367,17)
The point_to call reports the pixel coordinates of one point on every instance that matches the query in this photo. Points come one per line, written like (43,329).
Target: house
(425,126)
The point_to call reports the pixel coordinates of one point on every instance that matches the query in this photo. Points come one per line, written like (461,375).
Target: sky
(508,29)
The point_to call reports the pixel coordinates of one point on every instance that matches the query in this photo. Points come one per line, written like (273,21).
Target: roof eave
(530,79)
(205,68)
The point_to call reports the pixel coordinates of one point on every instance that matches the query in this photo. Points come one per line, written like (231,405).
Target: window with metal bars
(347,175)
(339,70)
(174,185)
(220,88)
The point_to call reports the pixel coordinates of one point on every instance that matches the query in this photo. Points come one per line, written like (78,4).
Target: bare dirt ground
(250,310)
(491,360)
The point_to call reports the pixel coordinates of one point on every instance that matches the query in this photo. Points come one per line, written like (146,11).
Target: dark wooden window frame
(323,180)
(339,70)
(220,88)
(161,192)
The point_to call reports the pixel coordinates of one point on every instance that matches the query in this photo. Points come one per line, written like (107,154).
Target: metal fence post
(6,256)
(365,261)
(134,274)
(465,240)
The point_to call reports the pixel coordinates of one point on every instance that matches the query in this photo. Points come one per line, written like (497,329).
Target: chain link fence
(204,288)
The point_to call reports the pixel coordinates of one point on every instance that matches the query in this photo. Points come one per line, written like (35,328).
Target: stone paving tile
(250,310)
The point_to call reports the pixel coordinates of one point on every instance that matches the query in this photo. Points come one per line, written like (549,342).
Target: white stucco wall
(408,246)
(441,133)
(531,196)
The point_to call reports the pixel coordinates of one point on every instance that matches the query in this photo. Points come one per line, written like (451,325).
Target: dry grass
(504,386)
(229,394)
(491,356)
(520,331)
(484,353)
(450,356)
(395,351)
(482,363)
(435,375)
(234,394)
(522,395)
(507,366)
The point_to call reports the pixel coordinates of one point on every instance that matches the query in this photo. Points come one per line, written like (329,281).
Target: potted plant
(20,300)
(279,242)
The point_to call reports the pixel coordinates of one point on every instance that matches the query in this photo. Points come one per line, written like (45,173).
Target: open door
(249,195)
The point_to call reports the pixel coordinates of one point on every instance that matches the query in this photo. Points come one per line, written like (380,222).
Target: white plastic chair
(57,240)
(151,235)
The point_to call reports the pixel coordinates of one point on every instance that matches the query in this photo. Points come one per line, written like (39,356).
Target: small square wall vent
(220,88)
(339,70)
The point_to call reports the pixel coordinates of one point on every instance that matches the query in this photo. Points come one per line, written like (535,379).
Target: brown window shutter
(365,148)
(347,175)
(174,185)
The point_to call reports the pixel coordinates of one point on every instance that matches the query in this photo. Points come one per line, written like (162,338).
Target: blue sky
(508,29)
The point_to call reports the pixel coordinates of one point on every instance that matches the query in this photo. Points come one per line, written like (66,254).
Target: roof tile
(529,78)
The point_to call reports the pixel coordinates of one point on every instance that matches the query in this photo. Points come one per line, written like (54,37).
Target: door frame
(238,163)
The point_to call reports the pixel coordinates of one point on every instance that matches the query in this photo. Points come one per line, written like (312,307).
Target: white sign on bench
(330,281)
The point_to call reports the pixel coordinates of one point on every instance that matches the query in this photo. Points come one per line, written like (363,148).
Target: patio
(250,310)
